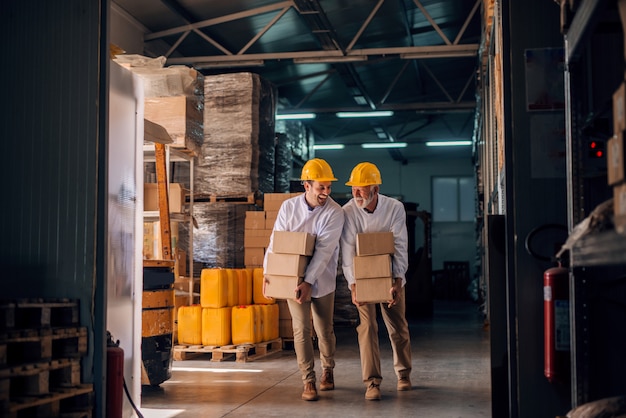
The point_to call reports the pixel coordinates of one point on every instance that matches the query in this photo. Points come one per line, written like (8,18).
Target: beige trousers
(398,330)
(321,309)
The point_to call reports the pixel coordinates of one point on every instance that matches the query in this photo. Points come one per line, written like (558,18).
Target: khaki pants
(398,330)
(322,311)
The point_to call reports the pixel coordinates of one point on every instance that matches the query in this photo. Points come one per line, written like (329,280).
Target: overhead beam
(424,107)
(409,52)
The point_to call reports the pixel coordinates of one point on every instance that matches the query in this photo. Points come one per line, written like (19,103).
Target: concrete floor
(450,377)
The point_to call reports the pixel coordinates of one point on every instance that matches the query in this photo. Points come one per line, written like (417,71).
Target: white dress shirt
(389,216)
(326,223)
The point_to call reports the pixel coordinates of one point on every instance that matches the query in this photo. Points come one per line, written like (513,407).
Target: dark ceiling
(418,58)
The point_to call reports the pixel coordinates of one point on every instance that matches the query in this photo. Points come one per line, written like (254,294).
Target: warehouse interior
(534,87)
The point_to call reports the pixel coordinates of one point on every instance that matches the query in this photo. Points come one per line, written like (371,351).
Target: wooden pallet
(225,198)
(37,313)
(288,344)
(240,353)
(41,343)
(72,402)
(33,345)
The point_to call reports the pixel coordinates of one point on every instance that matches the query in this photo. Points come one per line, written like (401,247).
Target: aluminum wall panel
(50,126)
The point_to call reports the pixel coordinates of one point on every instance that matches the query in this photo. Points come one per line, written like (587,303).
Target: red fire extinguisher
(556,324)
(114,378)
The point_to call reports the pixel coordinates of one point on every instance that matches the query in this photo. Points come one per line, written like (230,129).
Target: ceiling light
(291,116)
(328,146)
(385,145)
(448,143)
(329,59)
(227,64)
(373,114)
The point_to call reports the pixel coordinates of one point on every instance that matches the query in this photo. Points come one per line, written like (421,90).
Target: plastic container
(216,326)
(190,325)
(257,280)
(213,288)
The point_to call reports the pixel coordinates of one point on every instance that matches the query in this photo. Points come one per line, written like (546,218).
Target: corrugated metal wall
(51,84)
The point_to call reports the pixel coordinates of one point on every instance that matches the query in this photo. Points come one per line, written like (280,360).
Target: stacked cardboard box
(616,173)
(176,196)
(372,266)
(287,263)
(172,98)
(258,227)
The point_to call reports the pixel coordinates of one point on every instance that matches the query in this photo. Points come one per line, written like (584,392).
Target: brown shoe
(309,393)
(373,392)
(404,383)
(327,382)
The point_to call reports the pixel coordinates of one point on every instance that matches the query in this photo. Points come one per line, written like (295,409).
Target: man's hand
(265,282)
(395,290)
(353,293)
(303,292)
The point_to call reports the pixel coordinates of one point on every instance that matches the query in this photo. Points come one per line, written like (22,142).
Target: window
(453,199)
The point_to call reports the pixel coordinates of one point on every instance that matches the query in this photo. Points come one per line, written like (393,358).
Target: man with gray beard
(370,211)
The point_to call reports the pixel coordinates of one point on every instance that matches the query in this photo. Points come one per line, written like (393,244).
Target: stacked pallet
(41,343)
(237,153)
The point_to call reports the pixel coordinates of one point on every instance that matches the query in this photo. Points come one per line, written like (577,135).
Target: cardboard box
(285,328)
(158,243)
(286,264)
(273,204)
(255,220)
(272,201)
(256,238)
(372,266)
(374,243)
(373,290)
(615,159)
(283,310)
(287,242)
(619,108)
(180,263)
(176,197)
(148,241)
(270,218)
(181,116)
(253,257)
(281,287)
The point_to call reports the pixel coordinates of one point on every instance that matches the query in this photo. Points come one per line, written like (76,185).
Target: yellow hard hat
(317,170)
(364,174)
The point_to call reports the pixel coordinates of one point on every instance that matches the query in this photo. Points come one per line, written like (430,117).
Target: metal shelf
(177,155)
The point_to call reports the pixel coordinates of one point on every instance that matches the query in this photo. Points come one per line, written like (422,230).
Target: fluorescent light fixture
(328,146)
(329,59)
(291,116)
(228,64)
(435,54)
(372,114)
(448,143)
(385,145)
